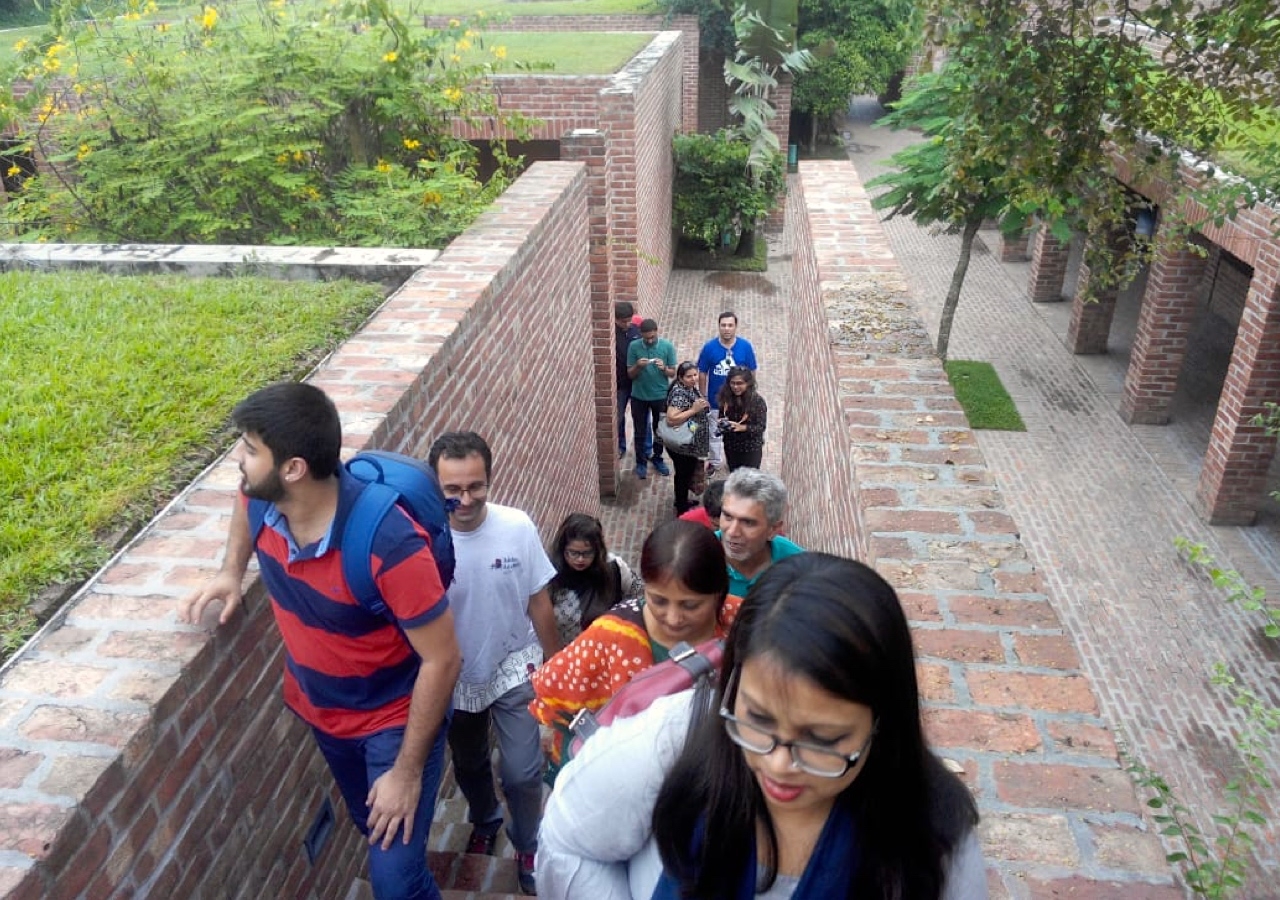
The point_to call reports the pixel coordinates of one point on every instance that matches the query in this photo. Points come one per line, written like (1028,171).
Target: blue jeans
(399,872)
(645,415)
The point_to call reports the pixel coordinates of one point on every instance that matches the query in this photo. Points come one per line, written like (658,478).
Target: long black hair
(732,406)
(838,624)
(597,584)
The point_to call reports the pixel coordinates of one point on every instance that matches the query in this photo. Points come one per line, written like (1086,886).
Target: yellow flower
(162,27)
(21,45)
(13,172)
(390,56)
(454,23)
(500,52)
(452,94)
(431,198)
(455,58)
(282,158)
(463,45)
(151,7)
(469,33)
(298,156)
(383,166)
(132,16)
(209,18)
(412,144)
(84,151)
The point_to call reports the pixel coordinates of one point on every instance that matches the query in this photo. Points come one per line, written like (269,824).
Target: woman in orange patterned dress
(686,583)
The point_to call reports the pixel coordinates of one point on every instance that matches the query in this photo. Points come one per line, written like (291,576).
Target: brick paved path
(1099,504)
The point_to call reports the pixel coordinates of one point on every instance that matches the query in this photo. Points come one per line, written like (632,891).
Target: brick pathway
(1098,504)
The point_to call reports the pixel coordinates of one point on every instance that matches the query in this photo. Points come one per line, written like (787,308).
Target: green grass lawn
(984,399)
(568,53)
(118,391)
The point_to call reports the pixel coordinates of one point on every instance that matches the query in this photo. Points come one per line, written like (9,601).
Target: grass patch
(566,53)
(823,150)
(117,392)
(541,7)
(983,397)
(690,257)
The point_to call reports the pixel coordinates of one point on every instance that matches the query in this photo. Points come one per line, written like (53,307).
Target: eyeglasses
(579,554)
(823,762)
(477,491)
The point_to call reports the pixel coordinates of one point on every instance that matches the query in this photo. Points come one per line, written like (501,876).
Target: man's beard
(270,489)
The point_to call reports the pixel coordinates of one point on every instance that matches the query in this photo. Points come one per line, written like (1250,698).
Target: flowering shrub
(278,122)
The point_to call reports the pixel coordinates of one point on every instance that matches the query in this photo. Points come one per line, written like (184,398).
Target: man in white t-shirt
(506,627)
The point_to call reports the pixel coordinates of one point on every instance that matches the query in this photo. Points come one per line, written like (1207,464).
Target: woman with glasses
(589,579)
(686,583)
(804,774)
(743,418)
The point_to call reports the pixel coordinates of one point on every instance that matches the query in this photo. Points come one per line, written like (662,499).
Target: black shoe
(481,843)
(525,874)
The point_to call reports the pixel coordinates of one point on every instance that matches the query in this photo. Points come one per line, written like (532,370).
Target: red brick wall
(688,25)
(146,758)
(816,464)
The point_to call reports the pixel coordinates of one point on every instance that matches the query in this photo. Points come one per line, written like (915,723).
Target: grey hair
(759,487)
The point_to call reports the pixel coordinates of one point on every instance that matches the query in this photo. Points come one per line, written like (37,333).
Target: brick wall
(815,460)
(141,757)
(1001,684)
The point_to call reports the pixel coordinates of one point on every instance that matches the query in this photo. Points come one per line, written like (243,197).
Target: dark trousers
(644,417)
(685,468)
(624,395)
(743,459)
(520,763)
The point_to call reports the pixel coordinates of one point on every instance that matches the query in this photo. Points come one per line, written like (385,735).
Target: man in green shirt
(651,362)
(751,521)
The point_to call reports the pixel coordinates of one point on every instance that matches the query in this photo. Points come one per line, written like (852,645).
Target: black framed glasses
(477,491)
(583,555)
(824,762)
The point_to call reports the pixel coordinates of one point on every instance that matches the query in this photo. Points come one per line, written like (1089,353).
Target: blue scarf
(830,870)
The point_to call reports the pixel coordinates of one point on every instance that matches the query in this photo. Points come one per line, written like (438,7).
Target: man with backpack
(372,675)
(506,628)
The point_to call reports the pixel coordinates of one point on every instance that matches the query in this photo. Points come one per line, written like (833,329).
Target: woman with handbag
(687,420)
(743,419)
(686,583)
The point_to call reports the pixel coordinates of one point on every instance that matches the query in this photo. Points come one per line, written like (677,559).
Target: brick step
(461,876)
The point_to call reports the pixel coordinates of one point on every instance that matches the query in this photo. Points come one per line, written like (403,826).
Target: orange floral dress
(596,664)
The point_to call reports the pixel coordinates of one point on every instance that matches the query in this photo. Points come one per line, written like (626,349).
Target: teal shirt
(779,548)
(651,384)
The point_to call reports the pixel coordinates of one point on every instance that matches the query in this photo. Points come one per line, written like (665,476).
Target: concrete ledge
(390,267)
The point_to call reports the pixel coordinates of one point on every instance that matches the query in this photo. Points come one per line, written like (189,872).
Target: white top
(499,566)
(596,840)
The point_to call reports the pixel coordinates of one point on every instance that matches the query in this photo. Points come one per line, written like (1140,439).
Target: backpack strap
(257,519)
(367,512)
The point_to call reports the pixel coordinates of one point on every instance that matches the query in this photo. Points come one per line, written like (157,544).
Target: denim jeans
(645,415)
(520,764)
(400,872)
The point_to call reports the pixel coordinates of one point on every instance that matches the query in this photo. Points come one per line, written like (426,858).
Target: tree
(1041,96)
(859,47)
(252,124)
(925,186)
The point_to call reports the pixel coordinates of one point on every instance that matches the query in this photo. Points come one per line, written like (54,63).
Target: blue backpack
(389,479)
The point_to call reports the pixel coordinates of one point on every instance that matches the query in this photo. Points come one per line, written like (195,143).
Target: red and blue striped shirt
(349,672)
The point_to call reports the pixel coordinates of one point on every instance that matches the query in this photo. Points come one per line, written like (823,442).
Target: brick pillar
(1048,267)
(1174,287)
(1091,319)
(780,125)
(1014,249)
(1233,478)
(587,145)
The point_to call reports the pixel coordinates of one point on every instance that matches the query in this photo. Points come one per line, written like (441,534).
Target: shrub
(255,123)
(714,192)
